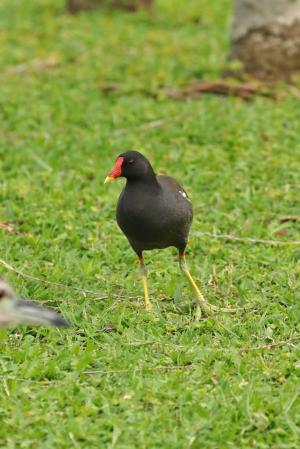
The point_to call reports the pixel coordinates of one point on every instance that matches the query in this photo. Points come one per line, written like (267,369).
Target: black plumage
(153,211)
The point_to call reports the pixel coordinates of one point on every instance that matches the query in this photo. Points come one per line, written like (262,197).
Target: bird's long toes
(229,310)
(209,309)
(148,306)
(198,313)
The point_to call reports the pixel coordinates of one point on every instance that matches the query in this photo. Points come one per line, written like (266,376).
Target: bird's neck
(147,181)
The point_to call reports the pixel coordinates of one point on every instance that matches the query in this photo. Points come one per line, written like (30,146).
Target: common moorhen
(154,211)
(14,310)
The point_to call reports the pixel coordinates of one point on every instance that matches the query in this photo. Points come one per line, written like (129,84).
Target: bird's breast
(136,218)
(154,219)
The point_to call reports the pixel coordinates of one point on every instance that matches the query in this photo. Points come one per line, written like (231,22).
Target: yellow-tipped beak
(108,179)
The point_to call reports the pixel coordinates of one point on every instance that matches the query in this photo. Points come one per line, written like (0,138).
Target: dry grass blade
(287,342)
(97,295)
(136,370)
(7,227)
(286,218)
(36,65)
(57,284)
(152,124)
(243,90)
(245,239)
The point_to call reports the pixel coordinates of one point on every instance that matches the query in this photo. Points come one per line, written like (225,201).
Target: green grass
(239,161)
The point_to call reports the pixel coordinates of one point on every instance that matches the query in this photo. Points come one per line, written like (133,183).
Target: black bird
(154,211)
(14,310)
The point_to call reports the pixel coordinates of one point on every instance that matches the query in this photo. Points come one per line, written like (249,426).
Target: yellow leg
(201,304)
(143,272)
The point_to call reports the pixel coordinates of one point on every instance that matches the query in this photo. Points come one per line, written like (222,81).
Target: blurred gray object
(265,37)
(15,310)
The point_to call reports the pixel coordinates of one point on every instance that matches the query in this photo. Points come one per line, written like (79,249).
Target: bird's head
(7,302)
(15,310)
(130,165)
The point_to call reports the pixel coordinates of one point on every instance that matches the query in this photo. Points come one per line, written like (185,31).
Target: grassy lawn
(120,377)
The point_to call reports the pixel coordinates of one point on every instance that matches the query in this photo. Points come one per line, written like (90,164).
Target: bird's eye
(2,294)
(131,161)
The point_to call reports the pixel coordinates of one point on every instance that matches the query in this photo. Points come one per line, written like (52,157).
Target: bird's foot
(209,309)
(198,313)
(148,306)
(203,308)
